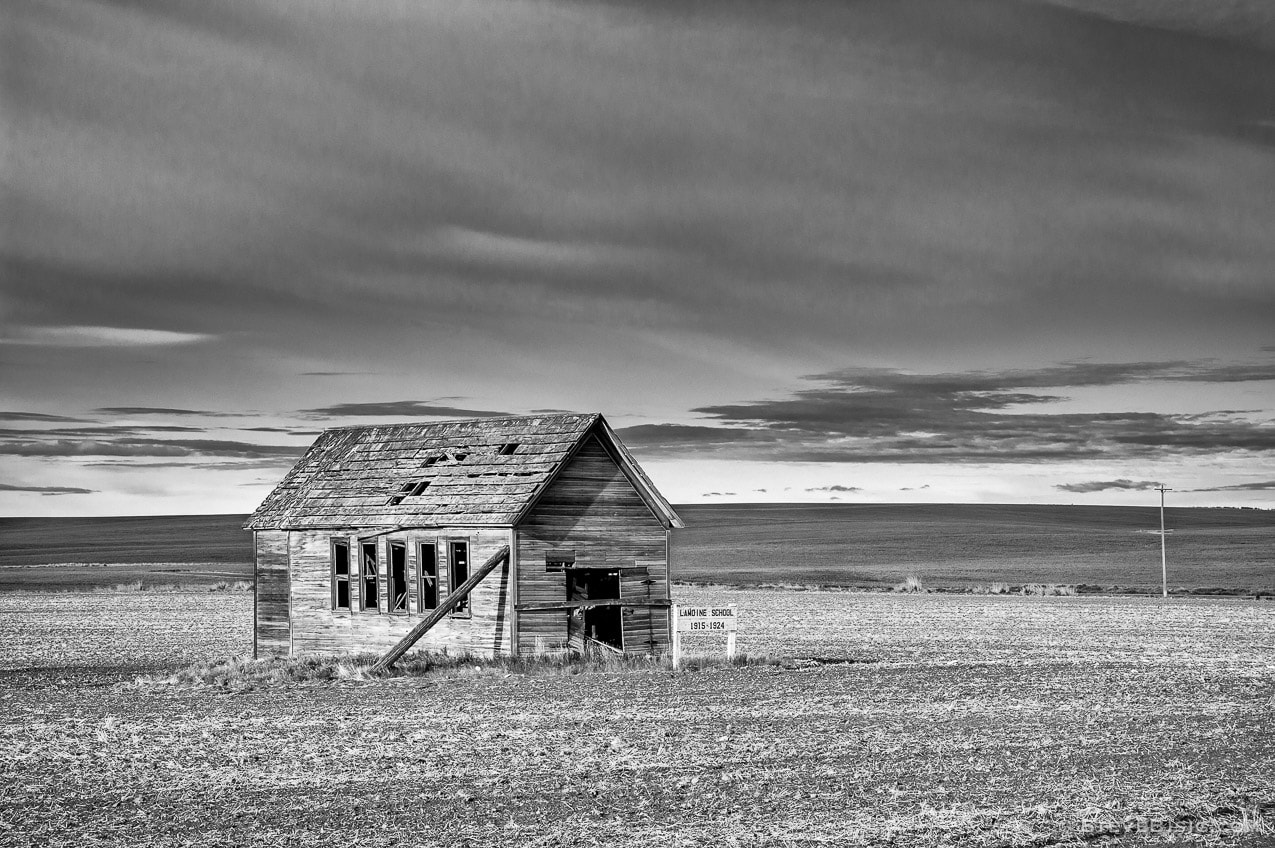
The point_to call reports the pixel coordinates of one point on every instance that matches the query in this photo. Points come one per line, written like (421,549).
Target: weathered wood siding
(318,628)
(272,633)
(593,510)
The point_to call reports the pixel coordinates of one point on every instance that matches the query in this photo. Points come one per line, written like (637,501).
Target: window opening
(398,577)
(340,574)
(559,560)
(428,562)
(371,599)
(458,573)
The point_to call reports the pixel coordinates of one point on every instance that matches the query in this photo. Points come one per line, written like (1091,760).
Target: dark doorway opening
(602,625)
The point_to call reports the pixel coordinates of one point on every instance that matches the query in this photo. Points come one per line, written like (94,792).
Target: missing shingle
(410,489)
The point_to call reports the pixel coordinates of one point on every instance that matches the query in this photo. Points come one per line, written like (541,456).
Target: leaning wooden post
(449,603)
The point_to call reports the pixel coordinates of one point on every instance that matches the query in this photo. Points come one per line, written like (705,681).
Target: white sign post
(721,619)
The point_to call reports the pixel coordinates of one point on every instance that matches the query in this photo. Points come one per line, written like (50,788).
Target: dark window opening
(340,574)
(428,576)
(507,448)
(371,599)
(398,577)
(559,560)
(458,573)
(602,625)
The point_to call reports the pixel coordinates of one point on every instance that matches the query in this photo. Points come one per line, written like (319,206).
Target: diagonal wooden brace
(449,603)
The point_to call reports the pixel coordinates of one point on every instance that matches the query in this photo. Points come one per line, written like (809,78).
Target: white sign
(706,619)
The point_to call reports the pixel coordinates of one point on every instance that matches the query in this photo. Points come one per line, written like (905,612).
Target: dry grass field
(894,720)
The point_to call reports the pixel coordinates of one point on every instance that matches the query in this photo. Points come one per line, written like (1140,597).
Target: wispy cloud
(87,336)
(1121,485)
(398,409)
(152,410)
(335,373)
(46,490)
(131,442)
(1262,486)
(157,447)
(835,488)
(38,416)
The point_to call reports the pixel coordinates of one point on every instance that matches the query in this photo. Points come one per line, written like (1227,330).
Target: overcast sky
(886,250)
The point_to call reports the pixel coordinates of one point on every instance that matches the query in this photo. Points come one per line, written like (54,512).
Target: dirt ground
(895,720)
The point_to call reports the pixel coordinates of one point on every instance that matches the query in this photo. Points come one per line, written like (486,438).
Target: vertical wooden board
(639,632)
(660,626)
(272,592)
(542,630)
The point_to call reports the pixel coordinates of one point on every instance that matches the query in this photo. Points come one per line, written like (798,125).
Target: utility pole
(1164,562)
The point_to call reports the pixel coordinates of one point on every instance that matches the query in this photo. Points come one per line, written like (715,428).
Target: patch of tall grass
(911,584)
(242,673)
(142,586)
(1043,589)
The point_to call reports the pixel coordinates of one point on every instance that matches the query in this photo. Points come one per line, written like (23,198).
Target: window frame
(390,602)
(337,579)
(375,577)
(432,547)
(466,609)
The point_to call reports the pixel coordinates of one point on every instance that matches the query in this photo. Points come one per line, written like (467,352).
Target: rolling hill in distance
(959,546)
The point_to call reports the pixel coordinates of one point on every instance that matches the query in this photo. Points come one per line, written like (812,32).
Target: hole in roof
(459,457)
(410,489)
(507,448)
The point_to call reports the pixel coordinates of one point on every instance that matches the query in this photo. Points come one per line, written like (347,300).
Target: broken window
(371,568)
(398,577)
(458,573)
(340,574)
(428,576)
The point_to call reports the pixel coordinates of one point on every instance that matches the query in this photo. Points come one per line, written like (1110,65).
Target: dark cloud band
(880,415)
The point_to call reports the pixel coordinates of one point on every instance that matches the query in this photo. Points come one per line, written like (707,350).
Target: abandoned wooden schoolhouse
(489,536)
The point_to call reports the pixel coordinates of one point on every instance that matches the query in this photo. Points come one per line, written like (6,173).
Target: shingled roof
(480,472)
